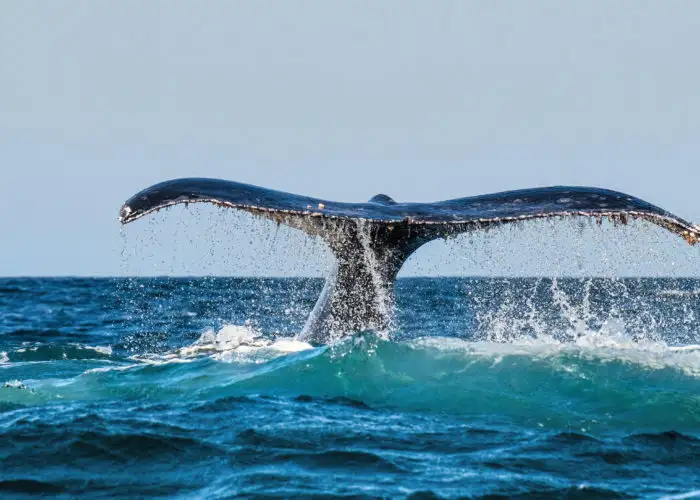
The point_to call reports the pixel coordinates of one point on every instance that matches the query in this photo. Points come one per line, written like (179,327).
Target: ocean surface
(484,388)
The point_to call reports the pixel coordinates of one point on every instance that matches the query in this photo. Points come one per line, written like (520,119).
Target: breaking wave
(601,381)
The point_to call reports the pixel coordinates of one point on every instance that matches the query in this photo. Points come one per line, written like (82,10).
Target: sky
(339,100)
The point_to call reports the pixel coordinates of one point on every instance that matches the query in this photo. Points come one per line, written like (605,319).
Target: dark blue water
(493,388)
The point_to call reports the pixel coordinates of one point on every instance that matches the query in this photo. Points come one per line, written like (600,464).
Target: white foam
(101,349)
(685,348)
(231,343)
(679,293)
(290,345)
(15,384)
(228,338)
(608,344)
(682,496)
(4,358)
(104,369)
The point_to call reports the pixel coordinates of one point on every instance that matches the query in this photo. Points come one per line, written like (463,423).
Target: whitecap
(609,344)
(101,349)
(15,384)
(682,496)
(239,343)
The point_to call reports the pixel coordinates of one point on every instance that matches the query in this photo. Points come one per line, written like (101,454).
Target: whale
(372,240)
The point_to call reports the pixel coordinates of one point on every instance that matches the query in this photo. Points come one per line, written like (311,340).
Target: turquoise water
(195,388)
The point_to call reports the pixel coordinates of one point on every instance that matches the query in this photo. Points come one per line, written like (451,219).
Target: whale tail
(359,295)
(372,240)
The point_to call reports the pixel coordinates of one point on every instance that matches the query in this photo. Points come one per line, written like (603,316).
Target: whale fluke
(372,240)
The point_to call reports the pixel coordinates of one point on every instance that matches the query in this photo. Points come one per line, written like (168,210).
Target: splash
(604,346)
(211,241)
(230,343)
(566,309)
(47,352)
(383,295)
(16,384)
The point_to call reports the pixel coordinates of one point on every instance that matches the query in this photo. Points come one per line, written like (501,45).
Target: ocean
(483,388)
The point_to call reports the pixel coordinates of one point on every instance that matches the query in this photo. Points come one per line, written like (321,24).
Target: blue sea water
(484,388)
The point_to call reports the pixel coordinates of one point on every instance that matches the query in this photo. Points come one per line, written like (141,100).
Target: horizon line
(202,276)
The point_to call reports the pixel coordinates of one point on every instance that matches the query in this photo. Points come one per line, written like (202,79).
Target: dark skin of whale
(372,240)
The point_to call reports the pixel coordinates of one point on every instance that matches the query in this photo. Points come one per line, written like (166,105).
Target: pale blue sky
(340,100)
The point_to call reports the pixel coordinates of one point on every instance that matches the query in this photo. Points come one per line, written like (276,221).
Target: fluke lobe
(372,240)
